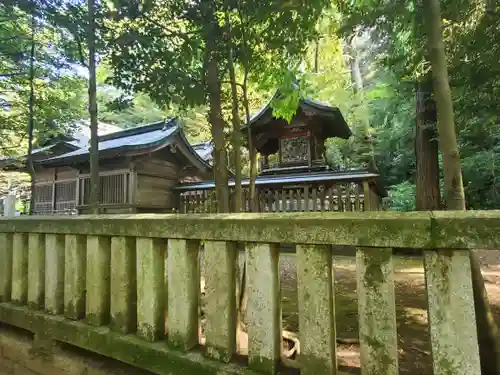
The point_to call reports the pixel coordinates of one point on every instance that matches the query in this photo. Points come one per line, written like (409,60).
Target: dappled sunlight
(418,315)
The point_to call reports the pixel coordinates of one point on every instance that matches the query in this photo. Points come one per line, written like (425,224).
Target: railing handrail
(423,230)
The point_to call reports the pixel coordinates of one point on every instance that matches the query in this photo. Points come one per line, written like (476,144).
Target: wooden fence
(101,284)
(318,197)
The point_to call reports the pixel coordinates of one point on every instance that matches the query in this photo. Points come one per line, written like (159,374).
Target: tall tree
(193,51)
(453,185)
(31,112)
(94,140)
(428,195)
(235,118)
(487,330)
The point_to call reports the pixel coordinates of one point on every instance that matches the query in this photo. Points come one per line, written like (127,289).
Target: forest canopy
(367,58)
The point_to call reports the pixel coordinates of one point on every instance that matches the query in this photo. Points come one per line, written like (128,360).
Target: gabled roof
(205,150)
(141,139)
(137,140)
(146,136)
(64,144)
(81,136)
(336,126)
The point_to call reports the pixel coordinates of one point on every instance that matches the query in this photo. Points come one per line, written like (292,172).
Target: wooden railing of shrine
(100,284)
(338,196)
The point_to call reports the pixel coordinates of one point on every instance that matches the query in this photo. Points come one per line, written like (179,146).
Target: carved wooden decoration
(295,149)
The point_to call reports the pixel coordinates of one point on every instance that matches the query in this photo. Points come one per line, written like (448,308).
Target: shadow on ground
(411,307)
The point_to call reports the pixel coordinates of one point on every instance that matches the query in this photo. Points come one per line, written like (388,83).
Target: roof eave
(110,153)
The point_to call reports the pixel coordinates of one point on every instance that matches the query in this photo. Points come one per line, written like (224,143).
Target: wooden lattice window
(65,195)
(114,188)
(43,204)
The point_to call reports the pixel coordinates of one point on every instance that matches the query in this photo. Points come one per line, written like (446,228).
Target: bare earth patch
(411,307)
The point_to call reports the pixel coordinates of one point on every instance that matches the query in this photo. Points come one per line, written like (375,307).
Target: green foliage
(58,93)
(162,49)
(402,197)
(398,57)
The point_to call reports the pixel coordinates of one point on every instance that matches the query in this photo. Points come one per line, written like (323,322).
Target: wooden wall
(55,174)
(154,180)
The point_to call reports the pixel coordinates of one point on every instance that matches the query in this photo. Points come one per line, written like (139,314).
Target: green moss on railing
(154,357)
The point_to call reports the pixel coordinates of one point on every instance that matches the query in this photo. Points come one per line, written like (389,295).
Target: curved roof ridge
(190,148)
(141,129)
(303,100)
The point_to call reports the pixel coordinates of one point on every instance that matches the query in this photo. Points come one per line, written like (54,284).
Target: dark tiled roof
(204,150)
(135,138)
(341,130)
(292,178)
(146,137)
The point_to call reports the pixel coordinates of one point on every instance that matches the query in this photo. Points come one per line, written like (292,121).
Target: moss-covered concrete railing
(100,283)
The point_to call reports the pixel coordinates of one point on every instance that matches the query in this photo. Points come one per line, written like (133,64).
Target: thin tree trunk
(356,79)
(238,196)
(94,140)
(357,86)
(316,56)
(217,126)
(491,6)
(31,114)
(453,186)
(428,195)
(487,331)
(251,150)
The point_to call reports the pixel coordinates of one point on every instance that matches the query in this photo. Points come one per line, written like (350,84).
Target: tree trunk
(94,140)
(251,150)
(316,56)
(217,126)
(487,331)
(453,186)
(491,6)
(428,195)
(356,78)
(238,196)
(31,114)
(357,86)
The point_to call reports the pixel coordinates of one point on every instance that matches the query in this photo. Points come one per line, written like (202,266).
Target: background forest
(365,57)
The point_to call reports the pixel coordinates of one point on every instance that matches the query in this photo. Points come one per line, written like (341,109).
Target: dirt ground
(411,306)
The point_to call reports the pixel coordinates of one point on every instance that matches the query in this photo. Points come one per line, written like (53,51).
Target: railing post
(377,311)
(264,307)
(5,266)
(20,268)
(220,297)
(452,318)
(183,293)
(316,310)
(36,270)
(74,276)
(123,307)
(98,280)
(54,273)
(150,288)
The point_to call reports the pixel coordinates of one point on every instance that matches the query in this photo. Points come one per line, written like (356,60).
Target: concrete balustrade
(74,276)
(100,283)
(150,288)
(54,273)
(220,299)
(123,306)
(316,309)
(97,301)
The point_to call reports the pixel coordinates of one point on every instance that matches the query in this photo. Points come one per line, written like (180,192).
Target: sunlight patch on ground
(419,315)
